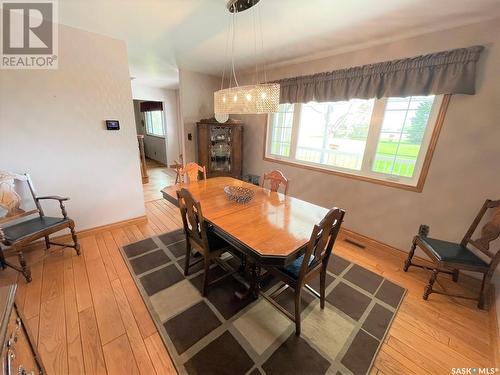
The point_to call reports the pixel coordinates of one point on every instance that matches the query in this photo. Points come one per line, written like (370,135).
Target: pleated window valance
(447,72)
(151,106)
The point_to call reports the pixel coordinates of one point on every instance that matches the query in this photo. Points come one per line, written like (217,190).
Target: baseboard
(370,242)
(92,231)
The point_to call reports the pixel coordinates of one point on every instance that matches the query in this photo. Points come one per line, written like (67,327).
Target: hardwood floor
(159,177)
(88,316)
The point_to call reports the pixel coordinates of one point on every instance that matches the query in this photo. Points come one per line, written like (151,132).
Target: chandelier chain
(235,22)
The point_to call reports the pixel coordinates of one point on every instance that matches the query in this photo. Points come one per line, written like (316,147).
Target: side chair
(199,237)
(23,227)
(313,262)
(276,179)
(178,168)
(192,171)
(450,257)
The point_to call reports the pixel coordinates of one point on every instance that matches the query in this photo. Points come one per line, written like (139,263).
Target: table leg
(254,289)
(255,281)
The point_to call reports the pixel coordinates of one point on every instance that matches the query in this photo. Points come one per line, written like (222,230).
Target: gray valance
(447,72)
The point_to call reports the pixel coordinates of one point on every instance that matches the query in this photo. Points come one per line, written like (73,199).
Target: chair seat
(452,252)
(293,269)
(27,228)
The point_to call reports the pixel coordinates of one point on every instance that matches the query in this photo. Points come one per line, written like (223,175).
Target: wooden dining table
(271,229)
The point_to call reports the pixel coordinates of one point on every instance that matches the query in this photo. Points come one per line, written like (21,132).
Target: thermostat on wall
(112,125)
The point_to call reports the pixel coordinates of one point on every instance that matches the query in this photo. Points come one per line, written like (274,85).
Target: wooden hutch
(220,147)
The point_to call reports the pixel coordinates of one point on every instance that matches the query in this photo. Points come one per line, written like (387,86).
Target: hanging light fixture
(249,99)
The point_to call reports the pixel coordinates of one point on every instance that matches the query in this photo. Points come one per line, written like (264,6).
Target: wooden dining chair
(313,262)
(276,179)
(178,164)
(450,257)
(192,171)
(199,237)
(24,221)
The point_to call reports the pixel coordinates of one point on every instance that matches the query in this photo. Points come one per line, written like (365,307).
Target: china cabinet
(220,147)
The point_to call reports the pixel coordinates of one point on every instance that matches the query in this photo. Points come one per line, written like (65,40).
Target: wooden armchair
(313,262)
(276,179)
(18,205)
(192,171)
(450,257)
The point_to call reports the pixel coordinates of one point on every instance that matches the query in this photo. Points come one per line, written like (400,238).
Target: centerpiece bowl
(238,194)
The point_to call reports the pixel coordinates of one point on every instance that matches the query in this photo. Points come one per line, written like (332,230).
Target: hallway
(159,177)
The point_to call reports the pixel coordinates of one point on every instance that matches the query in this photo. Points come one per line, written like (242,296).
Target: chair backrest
(275,178)
(192,171)
(17,197)
(489,232)
(322,240)
(192,218)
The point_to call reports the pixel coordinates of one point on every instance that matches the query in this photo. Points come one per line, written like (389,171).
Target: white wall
(163,150)
(196,93)
(465,169)
(52,126)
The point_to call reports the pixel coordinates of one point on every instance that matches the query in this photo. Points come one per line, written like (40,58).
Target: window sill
(155,136)
(417,188)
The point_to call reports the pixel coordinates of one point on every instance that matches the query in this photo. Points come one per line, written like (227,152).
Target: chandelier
(248,99)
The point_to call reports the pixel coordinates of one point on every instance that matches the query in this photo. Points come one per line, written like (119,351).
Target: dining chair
(24,221)
(306,267)
(276,179)
(178,168)
(199,237)
(192,171)
(450,257)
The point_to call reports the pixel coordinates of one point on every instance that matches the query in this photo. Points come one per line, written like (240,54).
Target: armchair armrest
(57,198)
(54,197)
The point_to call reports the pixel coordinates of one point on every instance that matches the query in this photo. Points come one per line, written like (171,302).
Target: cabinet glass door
(220,149)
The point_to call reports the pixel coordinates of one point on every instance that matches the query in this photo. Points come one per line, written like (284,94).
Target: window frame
(163,123)
(415,183)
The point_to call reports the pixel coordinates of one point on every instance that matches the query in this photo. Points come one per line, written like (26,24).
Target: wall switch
(190,137)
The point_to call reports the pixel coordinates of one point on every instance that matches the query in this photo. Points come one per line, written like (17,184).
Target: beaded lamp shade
(260,98)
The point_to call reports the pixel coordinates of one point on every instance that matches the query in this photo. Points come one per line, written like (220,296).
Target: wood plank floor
(88,316)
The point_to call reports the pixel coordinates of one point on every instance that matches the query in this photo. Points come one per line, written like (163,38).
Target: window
(376,139)
(282,130)
(154,123)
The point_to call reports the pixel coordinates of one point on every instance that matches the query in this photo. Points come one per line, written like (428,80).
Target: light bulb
(223,99)
(249,97)
(235,98)
(263,95)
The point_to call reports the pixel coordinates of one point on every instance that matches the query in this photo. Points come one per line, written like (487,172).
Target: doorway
(150,122)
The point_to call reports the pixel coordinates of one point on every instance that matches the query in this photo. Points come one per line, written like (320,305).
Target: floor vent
(352,242)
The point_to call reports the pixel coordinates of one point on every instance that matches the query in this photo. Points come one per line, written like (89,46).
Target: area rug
(222,334)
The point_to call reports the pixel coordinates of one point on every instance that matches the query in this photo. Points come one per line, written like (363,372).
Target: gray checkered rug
(222,334)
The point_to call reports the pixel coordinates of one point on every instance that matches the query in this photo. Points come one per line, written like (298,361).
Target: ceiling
(165,35)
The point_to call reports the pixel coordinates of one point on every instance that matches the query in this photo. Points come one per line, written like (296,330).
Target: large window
(154,123)
(377,139)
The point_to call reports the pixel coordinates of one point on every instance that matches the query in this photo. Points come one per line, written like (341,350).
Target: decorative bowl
(238,194)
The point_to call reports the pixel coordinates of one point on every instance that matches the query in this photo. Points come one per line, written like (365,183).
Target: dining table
(271,229)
